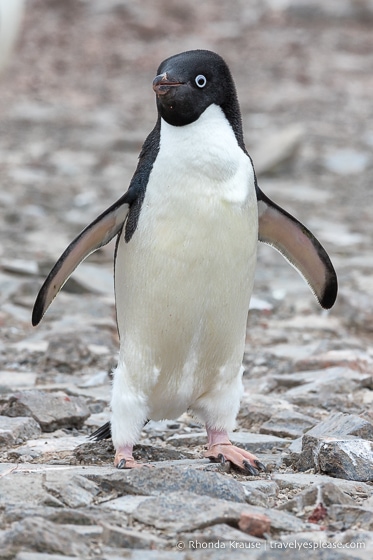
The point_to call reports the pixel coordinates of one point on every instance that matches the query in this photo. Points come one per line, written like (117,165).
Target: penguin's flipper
(94,236)
(299,247)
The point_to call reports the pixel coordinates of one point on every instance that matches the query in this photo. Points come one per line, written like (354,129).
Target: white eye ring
(200,81)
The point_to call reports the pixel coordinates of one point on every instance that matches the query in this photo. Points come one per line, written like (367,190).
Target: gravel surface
(76,104)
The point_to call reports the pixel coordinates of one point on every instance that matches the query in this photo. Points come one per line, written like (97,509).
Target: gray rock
(361,540)
(337,424)
(278,149)
(349,458)
(184,511)
(322,387)
(346,161)
(193,439)
(296,481)
(149,482)
(43,536)
(91,278)
(356,308)
(11,381)
(18,487)
(42,556)
(326,494)
(50,410)
(126,504)
(346,516)
(14,431)
(71,490)
(262,494)
(181,479)
(19,266)
(130,538)
(287,423)
(257,443)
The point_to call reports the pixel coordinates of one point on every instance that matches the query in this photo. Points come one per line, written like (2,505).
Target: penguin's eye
(200,81)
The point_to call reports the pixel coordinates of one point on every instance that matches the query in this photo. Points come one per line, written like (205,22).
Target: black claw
(260,465)
(249,468)
(221,459)
(121,464)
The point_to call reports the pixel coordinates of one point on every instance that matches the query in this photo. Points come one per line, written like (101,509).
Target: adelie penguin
(187,232)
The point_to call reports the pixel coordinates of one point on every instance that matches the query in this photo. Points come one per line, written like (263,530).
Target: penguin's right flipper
(98,233)
(299,247)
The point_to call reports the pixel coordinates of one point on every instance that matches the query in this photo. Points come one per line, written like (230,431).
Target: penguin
(187,233)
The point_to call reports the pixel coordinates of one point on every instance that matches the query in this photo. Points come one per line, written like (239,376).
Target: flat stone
(47,446)
(257,443)
(258,408)
(254,443)
(50,410)
(150,482)
(20,266)
(184,511)
(353,359)
(324,376)
(42,556)
(322,388)
(297,481)
(16,380)
(287,423)
(126,504)
(14,431)
(186,440)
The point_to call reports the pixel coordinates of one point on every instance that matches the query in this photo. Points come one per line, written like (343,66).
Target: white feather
(183,282)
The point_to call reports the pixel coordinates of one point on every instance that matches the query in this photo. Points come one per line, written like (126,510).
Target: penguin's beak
(162,84)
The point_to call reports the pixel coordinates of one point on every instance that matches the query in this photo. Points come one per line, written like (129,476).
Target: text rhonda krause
(275,544)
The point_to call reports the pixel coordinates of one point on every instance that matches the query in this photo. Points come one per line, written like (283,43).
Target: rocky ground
(75,105)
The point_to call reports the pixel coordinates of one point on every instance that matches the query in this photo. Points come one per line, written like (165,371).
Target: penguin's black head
(189,82)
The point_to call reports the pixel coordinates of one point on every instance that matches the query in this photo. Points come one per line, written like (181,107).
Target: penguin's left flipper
(98,233)
(299,247)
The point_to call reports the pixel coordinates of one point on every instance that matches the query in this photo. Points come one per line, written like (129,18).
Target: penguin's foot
(124,458)
(221,450)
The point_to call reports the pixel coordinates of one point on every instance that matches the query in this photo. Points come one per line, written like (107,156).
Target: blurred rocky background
(76,103)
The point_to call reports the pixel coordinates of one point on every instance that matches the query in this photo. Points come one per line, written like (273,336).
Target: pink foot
(221,449)
(124,458)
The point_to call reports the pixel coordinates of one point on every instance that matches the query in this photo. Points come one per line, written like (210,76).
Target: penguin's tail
(104,432)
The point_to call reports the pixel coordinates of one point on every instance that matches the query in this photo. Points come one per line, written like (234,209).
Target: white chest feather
(183,282)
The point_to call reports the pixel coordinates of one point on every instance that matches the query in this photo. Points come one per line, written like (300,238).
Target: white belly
(183,282)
